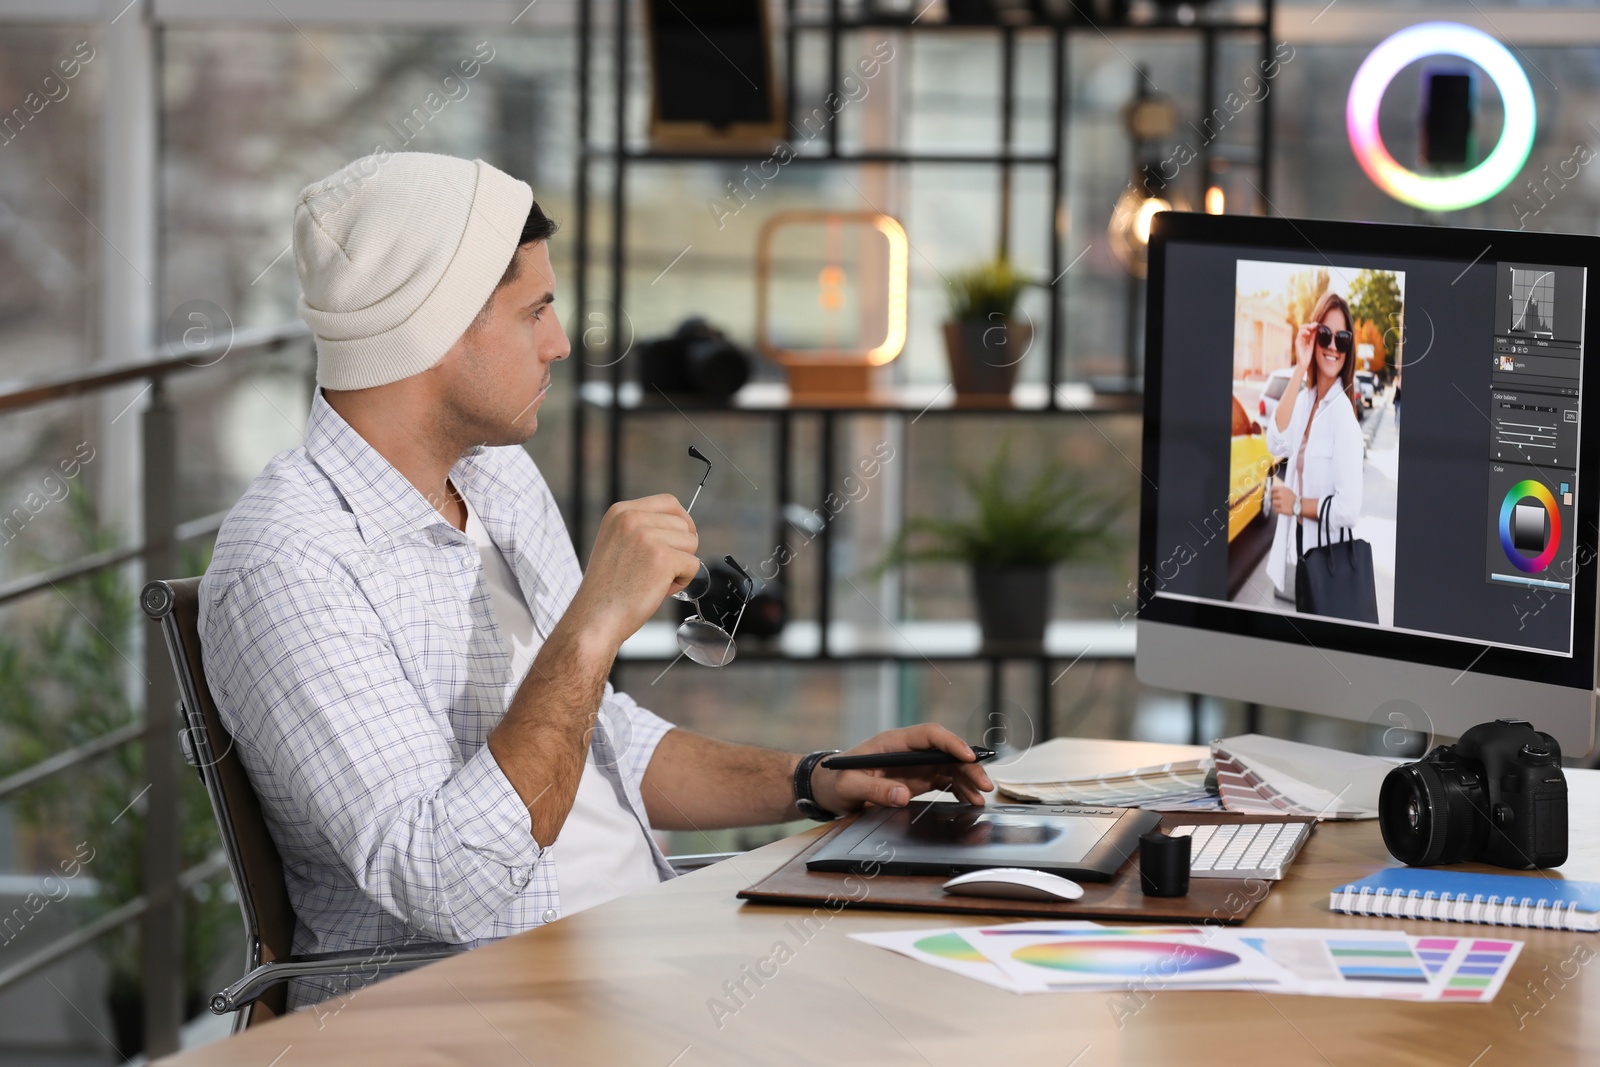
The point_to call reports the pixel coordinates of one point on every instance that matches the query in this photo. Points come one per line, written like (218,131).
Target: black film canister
(1163,865)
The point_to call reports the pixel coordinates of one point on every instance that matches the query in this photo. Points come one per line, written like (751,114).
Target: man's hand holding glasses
(643,552)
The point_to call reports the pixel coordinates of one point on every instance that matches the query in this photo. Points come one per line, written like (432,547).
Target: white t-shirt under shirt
(601,852)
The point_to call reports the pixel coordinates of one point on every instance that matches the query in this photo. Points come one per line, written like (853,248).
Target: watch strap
(804,800)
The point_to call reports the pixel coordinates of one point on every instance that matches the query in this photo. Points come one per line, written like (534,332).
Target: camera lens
(1432,812)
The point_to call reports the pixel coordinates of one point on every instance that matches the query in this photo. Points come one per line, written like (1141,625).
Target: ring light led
(1458,190)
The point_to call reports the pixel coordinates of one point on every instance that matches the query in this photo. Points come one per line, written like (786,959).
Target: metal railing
(158,908)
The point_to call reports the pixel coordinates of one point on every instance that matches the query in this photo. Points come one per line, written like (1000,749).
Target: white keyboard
(1243,849)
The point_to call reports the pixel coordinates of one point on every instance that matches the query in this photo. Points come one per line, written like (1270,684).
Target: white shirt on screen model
(601,849)
(1333,466)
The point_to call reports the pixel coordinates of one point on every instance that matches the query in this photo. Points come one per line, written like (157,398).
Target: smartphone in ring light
(927,757)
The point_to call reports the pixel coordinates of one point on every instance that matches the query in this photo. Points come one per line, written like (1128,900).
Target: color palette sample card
(1346,963)
(1051,956)
(1468,968)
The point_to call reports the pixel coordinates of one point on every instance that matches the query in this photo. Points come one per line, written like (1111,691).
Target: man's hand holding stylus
(844,791)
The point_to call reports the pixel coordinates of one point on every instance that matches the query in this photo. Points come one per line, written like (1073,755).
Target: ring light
(1459,190)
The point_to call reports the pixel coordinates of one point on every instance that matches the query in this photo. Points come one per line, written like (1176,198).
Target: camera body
(697,359)
(1496,796)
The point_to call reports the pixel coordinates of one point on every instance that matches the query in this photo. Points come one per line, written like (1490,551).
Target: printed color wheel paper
(1045,960)
(1051,956)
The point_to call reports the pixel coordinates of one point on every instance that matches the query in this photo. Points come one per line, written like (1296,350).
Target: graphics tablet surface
(1087,844)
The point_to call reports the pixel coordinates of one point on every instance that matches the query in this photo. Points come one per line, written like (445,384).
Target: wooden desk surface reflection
(637,981)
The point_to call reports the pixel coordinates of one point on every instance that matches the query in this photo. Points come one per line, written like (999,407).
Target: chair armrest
(685,864)
(247,989)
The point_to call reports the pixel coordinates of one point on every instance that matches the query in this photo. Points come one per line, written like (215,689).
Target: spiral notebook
(1550,903)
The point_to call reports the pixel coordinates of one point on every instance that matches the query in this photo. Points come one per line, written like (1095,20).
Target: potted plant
(1019,530)
(983,338)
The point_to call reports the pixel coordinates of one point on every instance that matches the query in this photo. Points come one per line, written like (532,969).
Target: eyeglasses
(703,640)
(1340,341)
(698,637)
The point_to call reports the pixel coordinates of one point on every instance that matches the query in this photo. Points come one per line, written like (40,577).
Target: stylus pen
(923,758)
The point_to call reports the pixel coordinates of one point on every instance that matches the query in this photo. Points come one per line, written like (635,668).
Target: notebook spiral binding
(1452,907)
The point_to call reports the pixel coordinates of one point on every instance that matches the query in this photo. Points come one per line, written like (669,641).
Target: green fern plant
(1049,518)
(989,289)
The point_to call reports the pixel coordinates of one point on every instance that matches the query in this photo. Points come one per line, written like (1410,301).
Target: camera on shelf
(1496,796)
(697,359)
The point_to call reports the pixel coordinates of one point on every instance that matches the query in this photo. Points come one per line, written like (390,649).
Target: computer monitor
(1453,454)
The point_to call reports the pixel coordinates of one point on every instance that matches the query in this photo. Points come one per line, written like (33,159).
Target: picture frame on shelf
(714,85)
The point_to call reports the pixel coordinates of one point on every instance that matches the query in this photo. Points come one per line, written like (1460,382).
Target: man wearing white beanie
(396,628)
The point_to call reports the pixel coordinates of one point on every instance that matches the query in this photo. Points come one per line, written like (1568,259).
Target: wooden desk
(633,982)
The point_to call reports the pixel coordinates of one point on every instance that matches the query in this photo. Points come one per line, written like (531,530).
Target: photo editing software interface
(1533,455)
(1452,450)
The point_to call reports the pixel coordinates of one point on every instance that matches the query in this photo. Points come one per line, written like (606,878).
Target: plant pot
(986,356)
(1013,605)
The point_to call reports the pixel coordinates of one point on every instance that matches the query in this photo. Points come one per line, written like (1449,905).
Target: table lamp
(831,292)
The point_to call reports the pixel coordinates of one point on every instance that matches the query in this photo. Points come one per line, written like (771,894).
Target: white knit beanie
(397,253)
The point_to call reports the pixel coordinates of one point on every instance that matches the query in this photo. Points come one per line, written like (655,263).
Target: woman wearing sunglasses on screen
(1316,429)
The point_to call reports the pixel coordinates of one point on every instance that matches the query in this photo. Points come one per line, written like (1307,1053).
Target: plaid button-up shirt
(353,653)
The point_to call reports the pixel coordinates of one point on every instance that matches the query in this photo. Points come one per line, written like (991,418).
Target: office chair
(253,860)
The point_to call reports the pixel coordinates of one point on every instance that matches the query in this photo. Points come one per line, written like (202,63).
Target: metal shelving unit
(615,400)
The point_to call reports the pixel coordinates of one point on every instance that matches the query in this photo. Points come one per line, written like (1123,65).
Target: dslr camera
(1495,796)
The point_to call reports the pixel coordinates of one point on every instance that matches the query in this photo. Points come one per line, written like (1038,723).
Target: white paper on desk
(944,949)
(1266,775)
(948,950)
(1356,964)
(1125,957)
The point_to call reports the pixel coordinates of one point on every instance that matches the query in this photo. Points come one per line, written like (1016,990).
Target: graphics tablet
(1086,844)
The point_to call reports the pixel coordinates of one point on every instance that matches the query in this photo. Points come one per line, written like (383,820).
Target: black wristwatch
(803,798)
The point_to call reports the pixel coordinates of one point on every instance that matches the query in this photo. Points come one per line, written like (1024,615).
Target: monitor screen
(1368,439)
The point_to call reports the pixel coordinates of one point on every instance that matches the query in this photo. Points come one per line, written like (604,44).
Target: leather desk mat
(1210,900)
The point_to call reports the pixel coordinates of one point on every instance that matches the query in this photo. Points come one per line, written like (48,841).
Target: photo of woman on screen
(1317,429)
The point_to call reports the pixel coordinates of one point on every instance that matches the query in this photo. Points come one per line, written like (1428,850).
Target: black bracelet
(803,797)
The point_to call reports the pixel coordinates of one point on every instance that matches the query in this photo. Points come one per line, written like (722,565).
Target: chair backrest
(253,859)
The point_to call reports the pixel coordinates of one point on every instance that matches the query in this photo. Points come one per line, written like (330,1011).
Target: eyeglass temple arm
(749,582)
(697,454)
(749,591)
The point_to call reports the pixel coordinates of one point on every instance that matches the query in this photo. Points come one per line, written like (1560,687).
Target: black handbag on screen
(1336,577)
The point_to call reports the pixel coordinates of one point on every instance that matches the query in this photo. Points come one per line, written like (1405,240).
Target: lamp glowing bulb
(1453,192)
(1131,218)
(1216,202)
(1146,212)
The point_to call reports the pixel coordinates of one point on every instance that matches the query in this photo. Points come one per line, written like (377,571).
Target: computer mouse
(1014,883)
